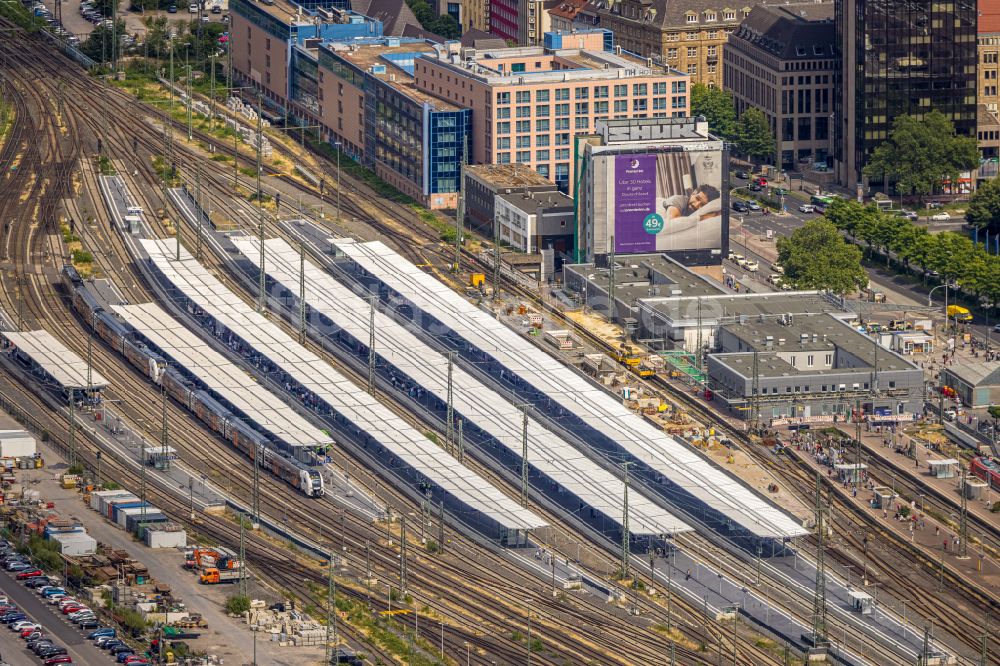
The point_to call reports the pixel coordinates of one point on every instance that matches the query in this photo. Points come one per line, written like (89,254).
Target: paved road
(56,626)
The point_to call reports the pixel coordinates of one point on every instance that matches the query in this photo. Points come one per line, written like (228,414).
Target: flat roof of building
(510,175)
(400,439)
(583,65)
(722,307)
(478,404)
(975,374)
(648,275)
(813,332)
(63,365)
(537,203)
(676,460)
(367,53)
(221,375)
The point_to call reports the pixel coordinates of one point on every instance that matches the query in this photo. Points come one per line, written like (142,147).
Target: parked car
(37,582)
(107,642)
(24,624)
(941,217)
(10,618)
(101,631)
(18,565)
(740,207)
(807,208)
(50,591)
(120,649)
(743,175)
(121,656)
(32,645)
(31,634)
(88,623)
(68,601)
(754,187)
(54,651)
(58,659)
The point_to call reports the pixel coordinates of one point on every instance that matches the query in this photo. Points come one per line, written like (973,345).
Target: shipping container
(16,444)
(98,496)
(132,522)
(168,535)
(76,544)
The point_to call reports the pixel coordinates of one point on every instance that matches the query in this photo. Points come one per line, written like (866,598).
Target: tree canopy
(754,136)
(984,207)
(952,255)
(440,24)
(816,256)
(717,107)
(920,153)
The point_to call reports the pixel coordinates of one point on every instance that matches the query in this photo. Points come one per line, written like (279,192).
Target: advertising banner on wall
(664,201)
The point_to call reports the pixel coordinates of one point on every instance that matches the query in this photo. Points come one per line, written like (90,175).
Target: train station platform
(50,360)
(934,539)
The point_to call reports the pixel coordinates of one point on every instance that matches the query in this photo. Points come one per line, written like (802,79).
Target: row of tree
(952,255)
(751,134)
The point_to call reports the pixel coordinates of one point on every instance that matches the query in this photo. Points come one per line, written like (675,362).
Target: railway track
(44,308)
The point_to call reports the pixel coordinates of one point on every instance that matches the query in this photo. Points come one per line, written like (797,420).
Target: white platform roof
(68,369)
(369,415)
(666,454)
(221,375)
(476,402)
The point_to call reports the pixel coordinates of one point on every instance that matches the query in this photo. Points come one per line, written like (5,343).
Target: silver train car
(275,455)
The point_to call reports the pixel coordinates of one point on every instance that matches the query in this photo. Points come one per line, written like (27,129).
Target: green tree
(753,135)
(816,256)
(922,152)
(716,105)
(237,604)
(984,207)
(100,45)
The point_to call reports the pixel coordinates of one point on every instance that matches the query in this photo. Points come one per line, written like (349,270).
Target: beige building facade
(528,103)
(688,37)
(782,60)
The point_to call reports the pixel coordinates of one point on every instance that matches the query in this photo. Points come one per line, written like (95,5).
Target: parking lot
(54,625)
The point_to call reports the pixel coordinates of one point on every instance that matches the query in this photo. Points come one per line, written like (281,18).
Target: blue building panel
(447,138)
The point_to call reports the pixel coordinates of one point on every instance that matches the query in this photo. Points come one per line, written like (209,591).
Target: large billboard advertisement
(663,201)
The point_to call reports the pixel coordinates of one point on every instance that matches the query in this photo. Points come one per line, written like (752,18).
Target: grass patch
(219,157)
(20,15)
(105,166)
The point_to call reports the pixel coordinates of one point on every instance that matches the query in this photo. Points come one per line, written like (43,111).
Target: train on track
(987,469)
(122,338)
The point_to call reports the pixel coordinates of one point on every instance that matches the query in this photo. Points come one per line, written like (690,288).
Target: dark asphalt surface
(55,626)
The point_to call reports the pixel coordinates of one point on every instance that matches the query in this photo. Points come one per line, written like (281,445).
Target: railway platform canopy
(477,404)
(686,478)
(382,435)
(222,377)
(50,359)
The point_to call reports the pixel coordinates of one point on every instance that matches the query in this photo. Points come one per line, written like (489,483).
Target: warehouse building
(977,384)
(484,182)
(811,366)
(636,278)
(675,319)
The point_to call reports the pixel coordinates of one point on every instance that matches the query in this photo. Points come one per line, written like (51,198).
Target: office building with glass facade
(900,58)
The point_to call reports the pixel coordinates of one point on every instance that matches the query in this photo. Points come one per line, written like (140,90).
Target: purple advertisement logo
(635,200)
